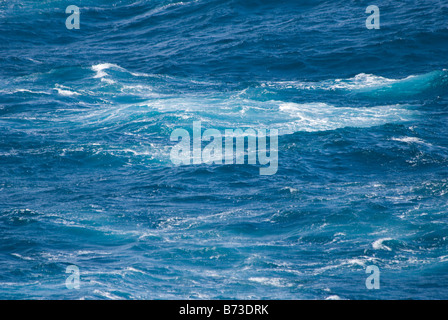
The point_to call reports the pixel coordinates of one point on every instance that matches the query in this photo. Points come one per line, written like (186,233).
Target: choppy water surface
(86,178)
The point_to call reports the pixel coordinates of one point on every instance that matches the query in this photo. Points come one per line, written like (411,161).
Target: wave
(119,99)
(376,86)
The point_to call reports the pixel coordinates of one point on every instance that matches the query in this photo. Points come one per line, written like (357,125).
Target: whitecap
(275,282)
(99,69)
(378,244)
(410,140)
(333,297)
(67,93)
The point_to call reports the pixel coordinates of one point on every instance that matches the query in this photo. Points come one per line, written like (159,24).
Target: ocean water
(86,177)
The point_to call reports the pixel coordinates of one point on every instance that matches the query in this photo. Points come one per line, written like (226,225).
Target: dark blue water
(86,177)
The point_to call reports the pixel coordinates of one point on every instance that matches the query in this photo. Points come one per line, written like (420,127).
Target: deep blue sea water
(86,177)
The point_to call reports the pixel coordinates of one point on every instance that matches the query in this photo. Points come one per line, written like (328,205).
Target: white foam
(334,297)
(290,189)
(378,244)
(321,116)
(160,9)
(107,295)
(360,81)
(131,269)
(99,69)
(28,91)
(409,140)
(108,81)
(67,93)
(275,282)
(286,117)
(361,262)
(22,257)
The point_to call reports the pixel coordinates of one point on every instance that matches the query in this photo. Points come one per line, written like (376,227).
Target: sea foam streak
(364,83)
